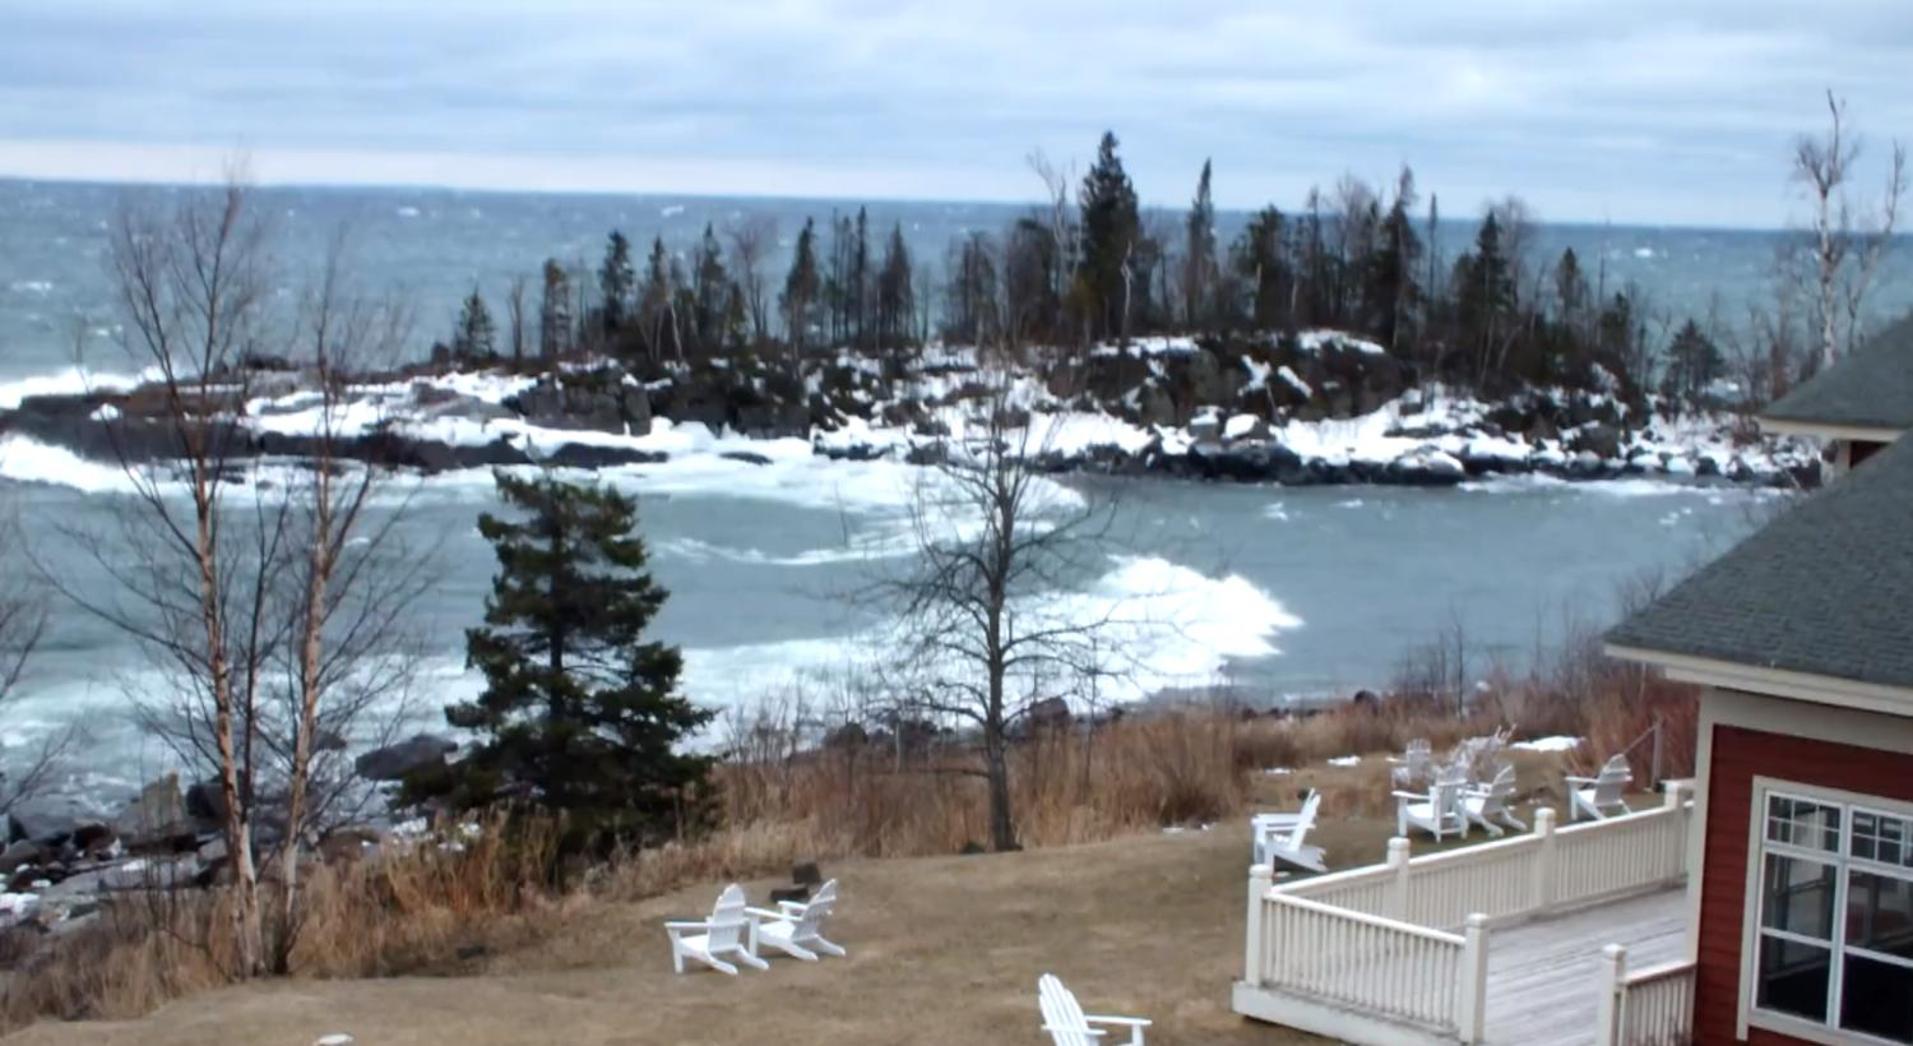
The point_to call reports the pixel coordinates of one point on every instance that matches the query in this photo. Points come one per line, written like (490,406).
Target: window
(1834,940)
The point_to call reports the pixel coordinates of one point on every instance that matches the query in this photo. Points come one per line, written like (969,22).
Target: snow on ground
(1346,760)
(1558,743)
(73,381)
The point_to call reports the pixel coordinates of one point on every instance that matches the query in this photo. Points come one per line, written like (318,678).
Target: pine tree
(801,287)
(1693,363)
(1260,264)
(475,338)
(616,281)
(1390,289)
(1485,291)
(895,295)
(1199,256)
(554,313)
(580,714)
(712,295)
(859,279)
(657,306)
(1112,226)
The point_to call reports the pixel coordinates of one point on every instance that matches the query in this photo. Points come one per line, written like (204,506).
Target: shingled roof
(1826,589)
(1870,389)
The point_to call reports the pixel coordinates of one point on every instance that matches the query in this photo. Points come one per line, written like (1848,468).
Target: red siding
(1740,754)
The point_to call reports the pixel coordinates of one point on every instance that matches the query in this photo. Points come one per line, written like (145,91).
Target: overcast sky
(1671,111)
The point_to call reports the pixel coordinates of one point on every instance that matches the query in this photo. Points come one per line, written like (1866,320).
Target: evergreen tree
(580,713)
(657,306)
(1570,290)
(859,279)
(895,297)
(1264,270)
(1390,289)
(1485,290)
(1111,227)
(554,312)
(801,288)
(712,294)
(1199,256)
(616,281)
(475,338)
(1693,363)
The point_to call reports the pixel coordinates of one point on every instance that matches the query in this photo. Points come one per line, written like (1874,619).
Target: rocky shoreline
(1308,409)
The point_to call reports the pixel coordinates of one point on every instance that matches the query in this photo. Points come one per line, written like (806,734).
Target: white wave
(73,381)
(671,210)
(28,461)
(37,287)
(862,548)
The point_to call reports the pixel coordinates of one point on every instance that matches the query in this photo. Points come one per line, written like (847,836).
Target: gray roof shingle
(1826,589)
(1872,388)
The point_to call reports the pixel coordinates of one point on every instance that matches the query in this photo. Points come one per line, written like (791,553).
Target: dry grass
(439,909)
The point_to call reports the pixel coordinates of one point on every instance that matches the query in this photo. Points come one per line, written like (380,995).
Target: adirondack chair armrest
(760,914)
(1589,781)
(1411,795)
(1127,1022)
(793,909)
(678,926)
(1094,1032)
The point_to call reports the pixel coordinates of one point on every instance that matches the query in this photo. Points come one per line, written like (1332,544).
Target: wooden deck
(1543,975)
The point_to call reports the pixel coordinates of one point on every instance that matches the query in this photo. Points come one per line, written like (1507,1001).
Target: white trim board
(1779,682)
(1828,430)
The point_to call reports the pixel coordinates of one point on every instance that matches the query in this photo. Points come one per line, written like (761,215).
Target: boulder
(21,852)
(1601,440)
(155,816)
(394,762)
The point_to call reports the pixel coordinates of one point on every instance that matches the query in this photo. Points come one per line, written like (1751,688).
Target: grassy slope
(942,949)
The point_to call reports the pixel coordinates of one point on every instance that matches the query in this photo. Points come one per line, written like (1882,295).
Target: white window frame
(1758,846)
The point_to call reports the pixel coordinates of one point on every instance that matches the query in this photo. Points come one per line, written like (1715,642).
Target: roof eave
(1828,430)
(1800,686)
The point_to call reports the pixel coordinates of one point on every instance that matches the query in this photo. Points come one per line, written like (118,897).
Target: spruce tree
(475,338)
(1111,227)
(1390,290)
(1693,363)
(554,312)
(657,305)
(617,281)
(580,714)
(1199,256)
(1261,265)
(712,295)
(896,300)
(801,287)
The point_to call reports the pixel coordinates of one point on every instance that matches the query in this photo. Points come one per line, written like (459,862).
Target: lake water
(1278,593)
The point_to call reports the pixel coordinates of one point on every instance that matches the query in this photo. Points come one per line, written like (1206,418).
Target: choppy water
(1276,592)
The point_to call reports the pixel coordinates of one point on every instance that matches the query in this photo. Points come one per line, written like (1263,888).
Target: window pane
(1877,998)
(1880,914)
(1801,822)
(1879,837)
(1797,896)
(1793,978)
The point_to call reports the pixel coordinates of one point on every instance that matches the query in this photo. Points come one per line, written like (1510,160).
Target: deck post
(1676,798)
(1608,1015)
(1398,860)
(1542,889)
(1471,1004)
(1261,876)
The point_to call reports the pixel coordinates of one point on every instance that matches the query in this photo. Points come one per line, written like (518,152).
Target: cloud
(1623,109)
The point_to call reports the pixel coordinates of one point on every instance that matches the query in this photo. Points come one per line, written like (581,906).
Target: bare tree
(992,536)
(515,315)
(1847,243)
(23,622)
(269,615)
(751,240)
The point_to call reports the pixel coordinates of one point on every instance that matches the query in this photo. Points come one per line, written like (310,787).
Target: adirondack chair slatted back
(1450,782)
(1612,781)
(1062,1014)
(811,923)
(1306,821)
(1501,789)
(728,920)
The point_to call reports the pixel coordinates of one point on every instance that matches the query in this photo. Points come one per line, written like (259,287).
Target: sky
(1666,112)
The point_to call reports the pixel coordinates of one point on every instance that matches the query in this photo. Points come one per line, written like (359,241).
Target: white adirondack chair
(1068,1025)
(1600,796)
(1487,804)
(1283,837)
(796,929)
(1438,810)
(722,934)
(1412,768)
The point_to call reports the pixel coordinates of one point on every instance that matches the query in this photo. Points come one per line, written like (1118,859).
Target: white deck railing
(1382,939)
(1650,1007)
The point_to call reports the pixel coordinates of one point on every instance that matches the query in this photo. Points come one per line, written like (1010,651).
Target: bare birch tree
(1847,243)
(751,241)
